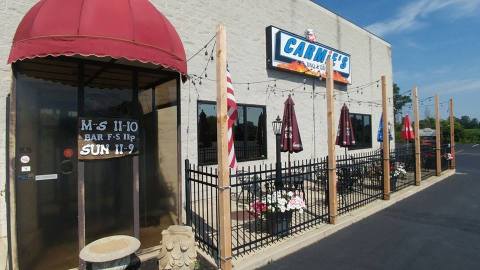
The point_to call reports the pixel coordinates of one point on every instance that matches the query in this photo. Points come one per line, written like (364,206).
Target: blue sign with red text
(290,52)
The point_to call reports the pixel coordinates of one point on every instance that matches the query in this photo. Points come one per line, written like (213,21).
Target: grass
(471,135)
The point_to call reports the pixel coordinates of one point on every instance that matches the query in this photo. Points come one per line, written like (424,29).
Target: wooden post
(437,139)
(416,130)
(225,232)
(386,142)
(452,135)
(332,163)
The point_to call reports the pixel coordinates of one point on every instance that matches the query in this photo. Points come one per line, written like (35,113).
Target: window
(362,128)
(249,132)
(158,192)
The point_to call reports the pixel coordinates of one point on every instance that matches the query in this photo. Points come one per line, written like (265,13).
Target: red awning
(130,29)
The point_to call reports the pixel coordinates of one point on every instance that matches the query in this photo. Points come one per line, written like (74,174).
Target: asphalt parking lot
(437,228)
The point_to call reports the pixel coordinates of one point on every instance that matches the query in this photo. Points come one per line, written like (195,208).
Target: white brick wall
(245,21)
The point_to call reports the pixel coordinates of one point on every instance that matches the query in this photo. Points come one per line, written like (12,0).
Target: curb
(304,239)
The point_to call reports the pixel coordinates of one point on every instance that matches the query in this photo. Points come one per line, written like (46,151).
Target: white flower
(269,198)
(290,193)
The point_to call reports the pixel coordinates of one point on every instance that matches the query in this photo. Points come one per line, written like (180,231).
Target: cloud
(415,45)
(412,15)
(454,86)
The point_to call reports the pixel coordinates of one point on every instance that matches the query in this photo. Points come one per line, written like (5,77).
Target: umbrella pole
(289,170)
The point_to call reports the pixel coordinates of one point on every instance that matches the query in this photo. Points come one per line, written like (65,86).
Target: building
(175,117)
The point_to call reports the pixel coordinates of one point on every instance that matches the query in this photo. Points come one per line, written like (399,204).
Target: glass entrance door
(46,182)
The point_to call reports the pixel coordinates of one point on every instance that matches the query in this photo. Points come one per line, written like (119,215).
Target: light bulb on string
(206,54)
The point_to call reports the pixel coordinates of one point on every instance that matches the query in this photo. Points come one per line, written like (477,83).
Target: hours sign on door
(104,138)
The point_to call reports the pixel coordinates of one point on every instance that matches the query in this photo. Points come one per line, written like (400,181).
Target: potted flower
(277,209)
(398,172)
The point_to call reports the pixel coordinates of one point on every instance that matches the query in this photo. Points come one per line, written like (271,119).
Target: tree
(428,122)
(474,123)
(445,129)
(468,122)
(399,101)
(465,121)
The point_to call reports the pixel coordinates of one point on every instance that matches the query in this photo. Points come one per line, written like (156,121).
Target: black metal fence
(402,168)
(427,161)
(445,157)
(201,192)
(360,180)
(253,188)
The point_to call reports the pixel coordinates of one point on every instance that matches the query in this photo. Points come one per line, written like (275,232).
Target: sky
(435,46)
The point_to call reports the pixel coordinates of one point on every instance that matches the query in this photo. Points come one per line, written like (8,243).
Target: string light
(292,91)
(197,79)
(204,47)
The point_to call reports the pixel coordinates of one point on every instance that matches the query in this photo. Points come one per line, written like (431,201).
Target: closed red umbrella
(345,134)
(290,137)
(345,138)
(407,130)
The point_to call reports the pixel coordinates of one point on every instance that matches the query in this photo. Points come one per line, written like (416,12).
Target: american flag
(232,118)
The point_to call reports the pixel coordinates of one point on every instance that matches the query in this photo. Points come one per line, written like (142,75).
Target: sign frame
(277,60)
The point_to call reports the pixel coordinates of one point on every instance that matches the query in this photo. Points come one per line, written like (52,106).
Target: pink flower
(296,203)
(258,207)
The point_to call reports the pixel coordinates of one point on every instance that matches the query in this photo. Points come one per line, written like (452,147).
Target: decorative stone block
(178,249)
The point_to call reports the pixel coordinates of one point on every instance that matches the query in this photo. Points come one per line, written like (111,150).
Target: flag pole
(416,132)
(438,148)
(452,135)
(225,230)
(386,142)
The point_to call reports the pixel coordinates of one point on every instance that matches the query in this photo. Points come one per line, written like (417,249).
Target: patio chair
(296,180)
(320,175)
(249,183)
